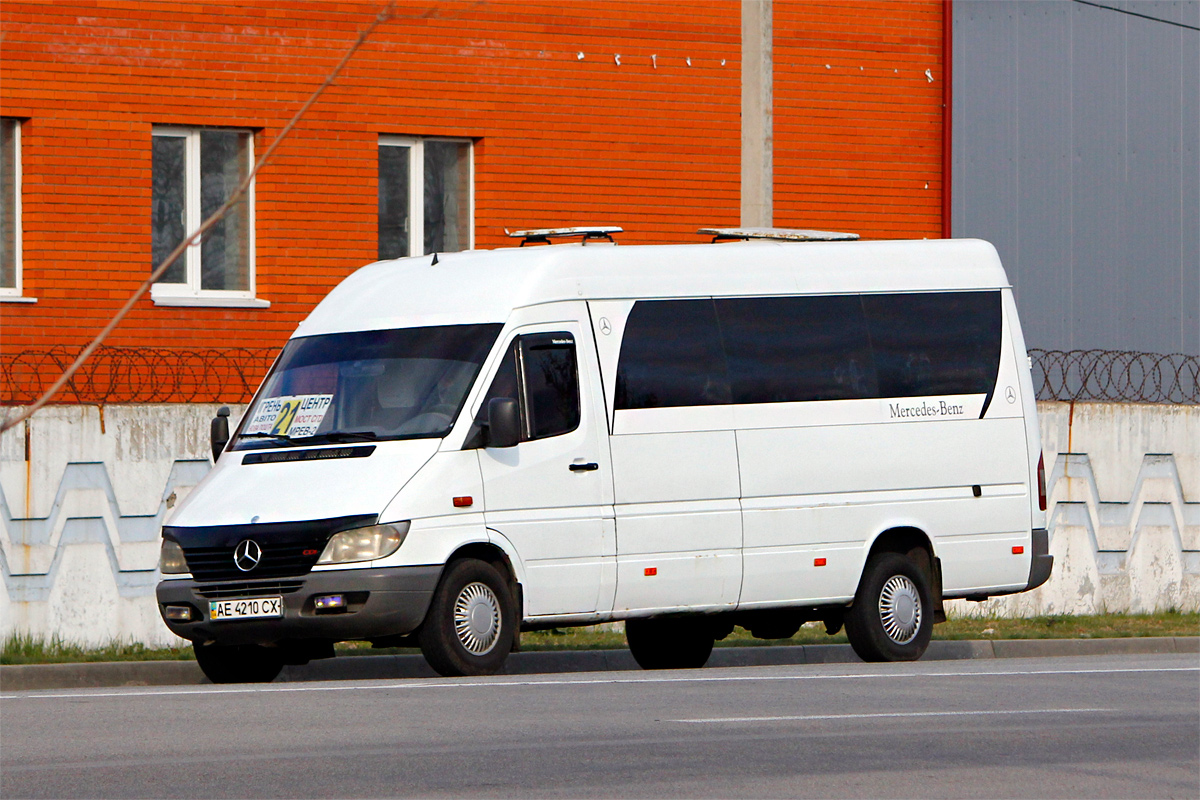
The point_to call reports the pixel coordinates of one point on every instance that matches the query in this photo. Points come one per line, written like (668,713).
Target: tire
(248,663)
(669,643)
(892,615)
(471,623)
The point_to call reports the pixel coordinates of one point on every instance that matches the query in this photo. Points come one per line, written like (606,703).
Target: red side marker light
(463,502)
(818,562)
(1018,549)
(1041,478)
(651,571)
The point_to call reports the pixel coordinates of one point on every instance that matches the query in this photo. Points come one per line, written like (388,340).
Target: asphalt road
(1102,726)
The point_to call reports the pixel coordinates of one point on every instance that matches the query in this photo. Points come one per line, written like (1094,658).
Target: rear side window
(935,344)
(793,349)
(806,348)
(671,356)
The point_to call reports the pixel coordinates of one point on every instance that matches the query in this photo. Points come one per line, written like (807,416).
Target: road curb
(22,677)
(28,677)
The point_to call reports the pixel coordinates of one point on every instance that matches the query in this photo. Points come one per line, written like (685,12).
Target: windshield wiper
(333,437)
(339,436)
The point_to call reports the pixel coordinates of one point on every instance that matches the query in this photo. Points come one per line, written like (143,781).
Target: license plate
(250,608)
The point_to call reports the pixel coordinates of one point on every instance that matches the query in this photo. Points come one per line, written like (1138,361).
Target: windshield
(366,386)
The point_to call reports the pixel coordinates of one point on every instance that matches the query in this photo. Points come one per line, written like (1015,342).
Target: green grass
(25,649)
(1099,626)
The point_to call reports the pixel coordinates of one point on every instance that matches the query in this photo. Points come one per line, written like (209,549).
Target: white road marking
(552,681)
(793,717)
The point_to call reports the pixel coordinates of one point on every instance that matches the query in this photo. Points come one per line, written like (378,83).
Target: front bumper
(382,602)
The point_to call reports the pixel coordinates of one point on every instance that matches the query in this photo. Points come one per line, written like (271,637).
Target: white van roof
(486,285)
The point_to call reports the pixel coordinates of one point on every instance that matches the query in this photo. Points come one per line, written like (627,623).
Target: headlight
(171,560)
(364,544)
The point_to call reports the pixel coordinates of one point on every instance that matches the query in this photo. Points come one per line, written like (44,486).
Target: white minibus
(452,449)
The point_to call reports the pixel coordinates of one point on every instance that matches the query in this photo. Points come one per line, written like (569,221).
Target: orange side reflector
(1018,549)
(463,502)
(651,571)
(818,562)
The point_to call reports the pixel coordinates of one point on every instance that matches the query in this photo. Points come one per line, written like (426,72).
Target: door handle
(584,467)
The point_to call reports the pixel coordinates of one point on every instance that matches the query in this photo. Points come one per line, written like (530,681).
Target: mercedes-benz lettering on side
(452,449)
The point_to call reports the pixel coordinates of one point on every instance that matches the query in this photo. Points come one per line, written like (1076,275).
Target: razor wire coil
(231,375)
(136,375)
(1120,376)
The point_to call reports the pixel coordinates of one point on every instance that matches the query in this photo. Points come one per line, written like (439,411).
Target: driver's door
(551,494)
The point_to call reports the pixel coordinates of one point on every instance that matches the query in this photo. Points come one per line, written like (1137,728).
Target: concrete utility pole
(757,115)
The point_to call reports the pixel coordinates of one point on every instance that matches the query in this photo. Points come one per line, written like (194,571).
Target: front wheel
(892,615)
(471,622)
(669,643)
(248,663)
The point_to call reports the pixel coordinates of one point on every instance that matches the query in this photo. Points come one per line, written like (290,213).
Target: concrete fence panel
(85,489)
(1122,531)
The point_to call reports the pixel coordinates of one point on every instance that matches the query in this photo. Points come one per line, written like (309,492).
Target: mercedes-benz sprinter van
(451,449)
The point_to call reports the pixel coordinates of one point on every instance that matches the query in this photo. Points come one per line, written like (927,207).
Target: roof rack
(776,234)
(544,235)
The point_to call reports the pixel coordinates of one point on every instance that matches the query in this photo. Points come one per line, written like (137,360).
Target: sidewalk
(25,677)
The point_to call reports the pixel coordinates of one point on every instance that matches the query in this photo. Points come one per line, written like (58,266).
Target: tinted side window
(930,344)
(548,396)
(671,356)
(793,349)
(551,397)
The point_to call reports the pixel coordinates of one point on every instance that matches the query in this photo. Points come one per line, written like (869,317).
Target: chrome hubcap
(900,609)
(477,618)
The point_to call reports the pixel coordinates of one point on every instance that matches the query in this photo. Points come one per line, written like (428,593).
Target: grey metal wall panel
(1189,185)
(1042,157)
(1077,152)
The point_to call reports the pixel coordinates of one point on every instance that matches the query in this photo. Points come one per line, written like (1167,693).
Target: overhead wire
(384,14)
(1136,14)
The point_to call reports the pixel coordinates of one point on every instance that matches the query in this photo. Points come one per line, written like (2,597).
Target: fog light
(178,613)
(329,602)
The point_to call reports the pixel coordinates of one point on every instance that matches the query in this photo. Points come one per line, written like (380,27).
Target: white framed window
(195,170)
(426,196)
(10,212)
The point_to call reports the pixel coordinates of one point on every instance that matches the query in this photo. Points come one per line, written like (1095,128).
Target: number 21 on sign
(286,415)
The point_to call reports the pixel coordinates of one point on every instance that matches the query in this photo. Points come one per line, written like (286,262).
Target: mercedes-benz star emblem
(247,555)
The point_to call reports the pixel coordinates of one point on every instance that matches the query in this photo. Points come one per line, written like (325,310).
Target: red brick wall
(858,124)
(560,141)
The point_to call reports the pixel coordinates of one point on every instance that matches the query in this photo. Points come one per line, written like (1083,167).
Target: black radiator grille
(279,560)
(218,591)
(289,549)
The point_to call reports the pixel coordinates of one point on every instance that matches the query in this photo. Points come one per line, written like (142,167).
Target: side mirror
(219,433)
(504,422)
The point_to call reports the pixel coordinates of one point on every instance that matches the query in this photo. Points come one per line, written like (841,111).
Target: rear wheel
(247,663)
(471,622)
(669,643)
(892,615)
